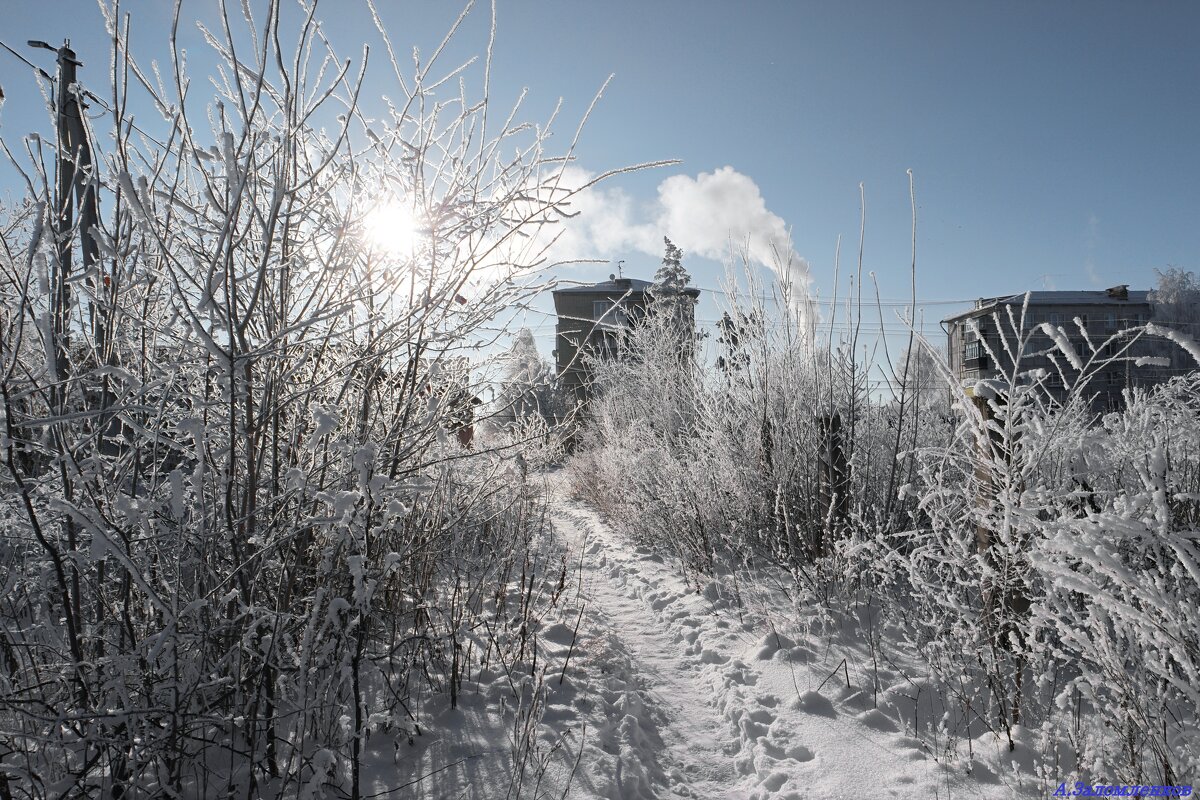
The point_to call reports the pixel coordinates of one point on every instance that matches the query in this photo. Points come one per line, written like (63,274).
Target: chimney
(1120,292)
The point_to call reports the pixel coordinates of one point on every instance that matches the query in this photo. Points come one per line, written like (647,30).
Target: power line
(841,301)
(85,92)
(29,63)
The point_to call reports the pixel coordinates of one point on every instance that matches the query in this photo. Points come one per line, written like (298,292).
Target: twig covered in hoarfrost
(253,519)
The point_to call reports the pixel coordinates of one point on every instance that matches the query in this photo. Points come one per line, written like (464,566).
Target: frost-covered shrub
(1054,584)
(631,459)
(238,533)
(536,442)
(733,454)
(1121,602)
(1040,558)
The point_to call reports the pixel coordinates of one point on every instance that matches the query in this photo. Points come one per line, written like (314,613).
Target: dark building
(592,321)
(1088,321)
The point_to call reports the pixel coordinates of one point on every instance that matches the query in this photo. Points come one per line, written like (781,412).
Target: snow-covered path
(685,746)
(688,698)
(648,687)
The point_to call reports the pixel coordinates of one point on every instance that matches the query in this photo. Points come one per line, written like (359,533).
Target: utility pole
(76,182)
(833,481)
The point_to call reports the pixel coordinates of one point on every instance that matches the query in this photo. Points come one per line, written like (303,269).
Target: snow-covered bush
(1040,557)
(1052,582)
(631,450)
(239,533)
(527,386)
(769,447)
(1120,608)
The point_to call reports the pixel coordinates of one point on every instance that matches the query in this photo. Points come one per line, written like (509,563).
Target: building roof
(612,285)
(616,285)
(1100,297)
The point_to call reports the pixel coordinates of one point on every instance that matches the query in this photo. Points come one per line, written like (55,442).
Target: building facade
(993,341)
(592,321)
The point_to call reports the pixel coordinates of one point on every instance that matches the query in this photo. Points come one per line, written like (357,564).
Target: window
(1110,321)
(1083,320)
(973,350)
(605,345)
(1054,318)
(603,311)
(1114,379)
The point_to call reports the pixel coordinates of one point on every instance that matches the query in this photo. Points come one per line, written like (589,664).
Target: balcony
(979,363)
(974,356)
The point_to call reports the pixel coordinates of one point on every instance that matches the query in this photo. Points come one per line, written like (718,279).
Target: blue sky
(1054,145)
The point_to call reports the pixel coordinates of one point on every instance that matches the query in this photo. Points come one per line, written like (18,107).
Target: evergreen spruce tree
(671,278)
(527,388)
(670,304)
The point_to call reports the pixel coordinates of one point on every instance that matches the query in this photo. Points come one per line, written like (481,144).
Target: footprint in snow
(812,702)
(762,715)
(853,698)
(774,782)
(799,752)
(751,731)
(738,674)
(772,644)
(877,720)
(781,749)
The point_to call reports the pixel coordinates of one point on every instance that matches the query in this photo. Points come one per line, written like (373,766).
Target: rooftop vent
(1120,292)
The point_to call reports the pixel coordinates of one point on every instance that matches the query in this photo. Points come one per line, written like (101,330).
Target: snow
(1062,343)
(654,687)
(1182,339)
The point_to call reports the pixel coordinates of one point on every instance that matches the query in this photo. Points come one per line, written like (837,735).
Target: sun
(393,229)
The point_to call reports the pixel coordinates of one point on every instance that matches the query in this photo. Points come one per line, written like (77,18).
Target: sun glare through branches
(394,230)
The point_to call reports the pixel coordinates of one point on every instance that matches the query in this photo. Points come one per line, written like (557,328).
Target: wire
(839,302)
(86,93)
(813,300)
(43,72)
(129,122)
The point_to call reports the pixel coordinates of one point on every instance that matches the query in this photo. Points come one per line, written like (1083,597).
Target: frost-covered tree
(1175,302)
(733,339)
(527,387)
(672,302)
(238,537)
(671,278)
(1176,298)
